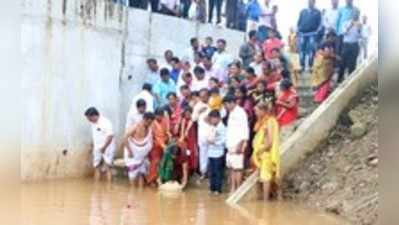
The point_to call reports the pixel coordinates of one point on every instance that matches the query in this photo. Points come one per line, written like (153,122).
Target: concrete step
(243,188)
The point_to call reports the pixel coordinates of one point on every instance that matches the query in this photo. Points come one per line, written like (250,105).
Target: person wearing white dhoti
(103,143)
(200,112)
(137,143)
(138,164)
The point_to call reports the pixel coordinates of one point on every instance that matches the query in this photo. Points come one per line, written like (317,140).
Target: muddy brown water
(75,202)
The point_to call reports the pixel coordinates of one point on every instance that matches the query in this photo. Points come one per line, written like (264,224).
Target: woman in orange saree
(160,131)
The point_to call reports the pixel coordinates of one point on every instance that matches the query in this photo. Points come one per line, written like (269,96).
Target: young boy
(216,145)
(103,143)
(208,49)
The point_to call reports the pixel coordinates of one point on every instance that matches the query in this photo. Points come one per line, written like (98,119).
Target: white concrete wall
(150,35)
(79,53)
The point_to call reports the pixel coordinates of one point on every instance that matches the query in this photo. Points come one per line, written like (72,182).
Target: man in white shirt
(153,75)
(222,59)
(266,17)
(135,114)
(146,95)
(168,56)
(237,136)
(200,80)
(212,71)
(200,112)
(330,19)
(103,143)
(365,36)
(192,50)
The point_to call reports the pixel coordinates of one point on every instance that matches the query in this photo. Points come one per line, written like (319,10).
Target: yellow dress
(268,162)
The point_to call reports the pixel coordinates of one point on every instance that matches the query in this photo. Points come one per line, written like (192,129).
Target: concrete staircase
(305,92)
(318,124)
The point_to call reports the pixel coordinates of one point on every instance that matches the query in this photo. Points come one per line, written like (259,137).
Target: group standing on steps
(208,112)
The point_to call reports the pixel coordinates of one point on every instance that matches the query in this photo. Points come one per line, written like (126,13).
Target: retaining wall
(80,53)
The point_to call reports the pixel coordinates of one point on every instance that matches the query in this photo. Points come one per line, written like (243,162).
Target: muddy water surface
(75,202)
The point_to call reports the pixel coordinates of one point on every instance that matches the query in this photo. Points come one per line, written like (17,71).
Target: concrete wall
(79,53)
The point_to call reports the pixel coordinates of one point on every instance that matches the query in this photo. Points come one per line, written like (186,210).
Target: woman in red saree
(271,75)
(174,111)
(188,139)
(287,105)
(160,131)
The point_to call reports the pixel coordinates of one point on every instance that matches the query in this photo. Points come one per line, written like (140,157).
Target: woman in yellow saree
(266,144)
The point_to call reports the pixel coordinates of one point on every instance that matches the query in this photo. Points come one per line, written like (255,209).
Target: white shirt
(216,73)
(330,19)
(197,85)
(267,15)
(153,77)
(196,110)
(192,11)
(366,31)
(189,55)
(222,60)
(237,127)
(257,67)
(167,66)
(147,97)
(170,4)
(203,127)
(133,118)
(100,131)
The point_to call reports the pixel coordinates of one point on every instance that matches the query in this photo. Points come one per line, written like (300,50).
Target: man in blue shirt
(309,24)
(352,34)
(345,14)
(176,69)
(163,87)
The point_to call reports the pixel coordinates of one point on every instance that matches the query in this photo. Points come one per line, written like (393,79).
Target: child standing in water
(216,145)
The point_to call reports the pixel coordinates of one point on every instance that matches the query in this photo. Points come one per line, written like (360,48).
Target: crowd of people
(208,110)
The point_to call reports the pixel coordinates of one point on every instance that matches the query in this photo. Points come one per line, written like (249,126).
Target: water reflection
(82,202)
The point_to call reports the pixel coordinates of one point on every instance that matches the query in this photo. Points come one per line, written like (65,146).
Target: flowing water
(75,202)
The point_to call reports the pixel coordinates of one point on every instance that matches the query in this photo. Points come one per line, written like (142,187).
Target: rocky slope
(341,176)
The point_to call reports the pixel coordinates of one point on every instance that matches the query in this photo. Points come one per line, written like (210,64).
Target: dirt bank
(341,176)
